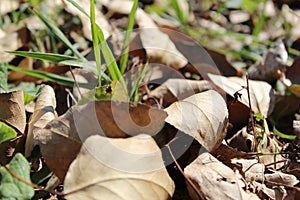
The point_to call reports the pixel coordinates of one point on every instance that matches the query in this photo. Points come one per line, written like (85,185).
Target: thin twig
(76,83)
(274,163)
(201,196)
(285,185)
(273,153)
(254,144)
(12,173)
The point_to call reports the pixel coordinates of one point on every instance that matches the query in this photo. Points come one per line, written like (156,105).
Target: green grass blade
(51,57)
(60,35)
(60,59)
(261,21)
(50,77)
(136,83)
(179,13)
(111,63)
(124,56)
(282,135)
(95,33)
(107,54)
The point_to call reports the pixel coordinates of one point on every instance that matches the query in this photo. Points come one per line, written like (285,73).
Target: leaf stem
(200,195)
(254,144)
(12,173)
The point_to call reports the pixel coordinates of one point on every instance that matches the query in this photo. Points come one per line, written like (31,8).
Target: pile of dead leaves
(201,130)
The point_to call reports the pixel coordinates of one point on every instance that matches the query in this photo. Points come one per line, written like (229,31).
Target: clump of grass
(100,46)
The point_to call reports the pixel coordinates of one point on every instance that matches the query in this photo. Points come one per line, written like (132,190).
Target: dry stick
(285,185)
(271,153)
(201,196)
(274,163)
(28,183)
(254,147)
(76,83)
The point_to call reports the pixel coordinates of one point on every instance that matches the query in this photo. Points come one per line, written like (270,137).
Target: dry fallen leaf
(275,59)
(26,63)
(61,139)
(239,115)
(12,41)
(7,6)
(203,116)
(261,93)
(12,112)
(292,17)
(281,178)
(293,72)
(215,180)
(242,140)
(291,78)
(160,48)
(115,176)
(201,60)
(178,89)
(284,112)
(263,191)
(252,170)
(44,112)
(82,76)
(158,74)
(270,149)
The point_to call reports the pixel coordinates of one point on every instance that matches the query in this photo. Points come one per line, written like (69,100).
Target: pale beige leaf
(281,178)
(129,168)
(178,89)
(44,112)
(239,16)
(261,93)
(159,73)
(2,33)
(252,170)
(215,180)
(203,116)
(261,190)
(292,17)
(83,76)
(124,7)
(163,22)
(275,193)
(12,41)
(158,46)
(7,6)
(161,49)
(12,110)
